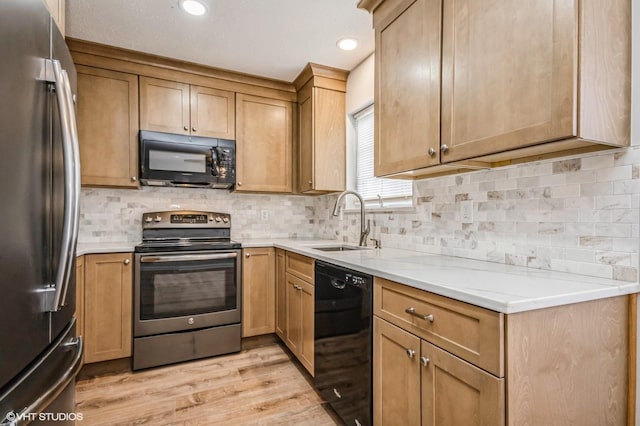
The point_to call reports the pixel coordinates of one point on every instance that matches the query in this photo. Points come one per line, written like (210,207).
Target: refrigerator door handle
(57,292)
(25,415)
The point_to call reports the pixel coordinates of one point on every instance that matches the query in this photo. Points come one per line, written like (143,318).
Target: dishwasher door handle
(339,284)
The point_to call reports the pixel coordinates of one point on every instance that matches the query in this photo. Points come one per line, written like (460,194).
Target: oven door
(178,291)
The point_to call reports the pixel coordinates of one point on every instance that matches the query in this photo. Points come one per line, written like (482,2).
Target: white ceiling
(270,38)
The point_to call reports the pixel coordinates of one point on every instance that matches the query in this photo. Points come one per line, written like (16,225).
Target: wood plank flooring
(257,386)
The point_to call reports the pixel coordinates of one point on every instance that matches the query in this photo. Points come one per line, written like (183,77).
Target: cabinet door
(455,392)
(396,375)
(213,113)
(108,127)
(508,74)
(258,285)
(281,295)
(293,322)
(307,334)
(263,144)
(108,302)
(329,140)
(407,113)
(164,106)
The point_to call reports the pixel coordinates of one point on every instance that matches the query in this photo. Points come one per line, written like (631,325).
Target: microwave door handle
(58,291)
(215,162)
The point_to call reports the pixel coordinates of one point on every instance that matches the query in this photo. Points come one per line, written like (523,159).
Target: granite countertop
(502,288)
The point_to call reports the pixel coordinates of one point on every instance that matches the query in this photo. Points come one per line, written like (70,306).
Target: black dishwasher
(343,325)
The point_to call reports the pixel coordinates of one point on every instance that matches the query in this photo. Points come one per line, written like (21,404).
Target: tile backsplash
(114,215)
(578,215)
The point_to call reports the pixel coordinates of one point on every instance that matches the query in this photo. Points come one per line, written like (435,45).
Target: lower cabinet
(432,365)
(436,386)
(258,280)
(295,305)
(108,282)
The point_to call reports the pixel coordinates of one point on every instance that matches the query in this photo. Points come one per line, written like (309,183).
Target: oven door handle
(187,257)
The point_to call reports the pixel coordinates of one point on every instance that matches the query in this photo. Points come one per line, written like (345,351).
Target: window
(377,192)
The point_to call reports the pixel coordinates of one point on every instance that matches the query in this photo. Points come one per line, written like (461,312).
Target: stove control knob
(225,219)
(218,219)
(148,219)
(158,219)
(210,218)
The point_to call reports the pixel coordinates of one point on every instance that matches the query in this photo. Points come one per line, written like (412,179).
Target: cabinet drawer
(474,334)
(300,266)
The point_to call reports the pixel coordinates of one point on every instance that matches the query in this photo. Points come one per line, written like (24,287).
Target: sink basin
(339,248)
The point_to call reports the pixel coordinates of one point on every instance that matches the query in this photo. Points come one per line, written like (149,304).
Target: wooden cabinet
(258,301)
(407,92)
(322,129)
(173,107)
(470,84)
(108,127)
(264,129)
(434,364)
(295,305)
(57,10)
(281,295)
(107,306)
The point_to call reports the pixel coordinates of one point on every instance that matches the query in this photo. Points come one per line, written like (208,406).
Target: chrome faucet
(364,232)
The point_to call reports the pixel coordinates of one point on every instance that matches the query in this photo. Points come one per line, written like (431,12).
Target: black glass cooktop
(179,244)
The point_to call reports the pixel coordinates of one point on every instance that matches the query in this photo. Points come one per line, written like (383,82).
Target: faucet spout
(364,230)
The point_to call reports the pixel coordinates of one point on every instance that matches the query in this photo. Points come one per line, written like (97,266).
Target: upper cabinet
(264,132)
(57,10)
(481,84)
(322,129)
(108,127)
(172,107)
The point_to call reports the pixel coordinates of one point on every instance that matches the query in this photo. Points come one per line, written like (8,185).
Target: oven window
(172,289)
(177,161)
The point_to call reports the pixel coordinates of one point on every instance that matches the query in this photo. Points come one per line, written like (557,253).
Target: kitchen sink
(339,248)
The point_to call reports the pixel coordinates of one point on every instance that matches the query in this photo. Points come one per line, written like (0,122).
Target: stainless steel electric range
(187,289)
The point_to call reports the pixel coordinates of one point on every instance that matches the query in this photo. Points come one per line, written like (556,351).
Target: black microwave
(168,159)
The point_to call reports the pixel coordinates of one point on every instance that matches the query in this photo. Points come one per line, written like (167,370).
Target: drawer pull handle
(410,353)
(424,360)
(412,311)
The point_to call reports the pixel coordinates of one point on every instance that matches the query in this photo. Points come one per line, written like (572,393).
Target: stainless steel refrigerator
(39,169)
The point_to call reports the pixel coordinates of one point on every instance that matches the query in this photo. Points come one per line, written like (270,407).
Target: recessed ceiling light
(193,7)
(347,43)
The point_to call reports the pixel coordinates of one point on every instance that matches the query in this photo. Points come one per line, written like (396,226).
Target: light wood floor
(258,386)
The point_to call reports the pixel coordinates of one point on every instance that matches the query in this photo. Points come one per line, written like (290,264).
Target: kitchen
(575,214)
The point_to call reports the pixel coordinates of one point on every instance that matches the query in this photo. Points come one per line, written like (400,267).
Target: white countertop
(89,248)
(503,288)
(495,286)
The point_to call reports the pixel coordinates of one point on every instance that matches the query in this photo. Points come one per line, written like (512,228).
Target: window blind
(374,190)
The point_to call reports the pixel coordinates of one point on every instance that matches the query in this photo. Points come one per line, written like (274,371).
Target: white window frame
(380,201)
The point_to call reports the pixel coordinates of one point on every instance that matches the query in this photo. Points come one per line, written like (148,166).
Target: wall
(578,214)
(114,215)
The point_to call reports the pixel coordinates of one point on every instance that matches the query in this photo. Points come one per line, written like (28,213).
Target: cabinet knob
(431,151)
(193,129)
(444,148)
(127,261)
(239,183)
(424,360)
(310,182)
(411,353)
(247,255)
(186,129)
(133,178)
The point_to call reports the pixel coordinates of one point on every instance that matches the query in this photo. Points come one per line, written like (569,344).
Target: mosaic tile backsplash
(578,215)
(114,215)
